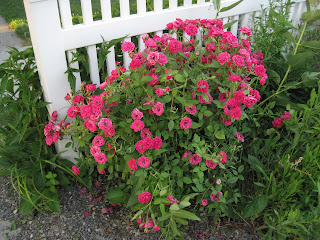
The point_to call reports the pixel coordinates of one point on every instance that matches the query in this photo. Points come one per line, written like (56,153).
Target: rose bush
(165,131)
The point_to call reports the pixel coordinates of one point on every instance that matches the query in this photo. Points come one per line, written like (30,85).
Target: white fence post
(45,31)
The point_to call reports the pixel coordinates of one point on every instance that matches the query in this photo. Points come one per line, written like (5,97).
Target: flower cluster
(278,122)
(52,131)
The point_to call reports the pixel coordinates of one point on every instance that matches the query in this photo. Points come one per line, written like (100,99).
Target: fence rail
(54,36)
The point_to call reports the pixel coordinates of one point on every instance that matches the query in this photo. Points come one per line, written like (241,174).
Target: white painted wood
(141,45)
(86,11)
(201,1)
(45,31)
(93,64)
(126,58)
(111,61)
(187,3)
(186,37)
(141,7)
(245,20)
(234,27)
(124,8)
(159,33)
(225,20)
(105,10)
(173,4)
(158,5)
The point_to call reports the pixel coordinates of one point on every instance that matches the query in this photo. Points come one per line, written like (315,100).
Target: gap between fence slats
(86,11)
(126,58)
(124,8)
(93,64)
(74,65)
(186,37)
(105,9)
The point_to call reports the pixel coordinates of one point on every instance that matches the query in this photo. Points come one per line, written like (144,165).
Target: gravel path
(72,223)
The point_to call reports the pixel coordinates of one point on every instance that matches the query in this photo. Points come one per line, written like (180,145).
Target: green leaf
(229,24)
(185,214)
(171,125)
(113,99)
(232,180)
(174,207)
(186,180)
(256,206)
(25,207)
(231,6)
(179,78)
(219,135)
(311,44)
(138,181)
(116,196)
(299,58)
(181,221)
(207,113)
(216,5)
(174,228)
(164,217)
(311,16)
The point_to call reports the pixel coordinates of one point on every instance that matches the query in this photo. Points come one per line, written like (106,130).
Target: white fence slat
(186,37)
(158,5)
(187,3)
(93,64)
(159,33)
(111,61)
(46,36)
(86,11)
(245,20)
(225,20)
(234,27)
(65,13)
(124,8)
(141,45)
(173,4)
(141,7)
(126,58)
(105,9)
(199,37)
(201,1)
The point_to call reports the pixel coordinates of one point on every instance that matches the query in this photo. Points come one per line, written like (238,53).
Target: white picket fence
(54,37)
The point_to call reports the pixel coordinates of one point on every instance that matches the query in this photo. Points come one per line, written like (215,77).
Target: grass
(13,12)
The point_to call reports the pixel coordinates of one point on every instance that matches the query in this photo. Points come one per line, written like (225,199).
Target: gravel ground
(72,223)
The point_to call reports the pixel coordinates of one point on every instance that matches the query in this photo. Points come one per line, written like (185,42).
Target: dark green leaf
(256,206)
(185,214)
(299,58)
(229,24)
(231,6)
(311,44)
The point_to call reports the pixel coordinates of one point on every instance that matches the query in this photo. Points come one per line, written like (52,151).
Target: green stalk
(294,53)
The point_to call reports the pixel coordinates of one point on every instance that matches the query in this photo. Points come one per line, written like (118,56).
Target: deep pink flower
(98,141)
(144,197)
(162,59)
(78,99)
(153,58)
(239,96)
(286,116)
(141,146)
(49,139)
(204,202)
(223,58)
(104,124)
(245,30)
(127,47)
(100,158)
(186,154)
(222,157)
(143,162)
(75,170)
(86,214)
(249,101)
(238,60)
(259,70)
(277,122)
(192,110)
(136,114)
(201,99)
(236,113)
(211,164)
(263,79)
(195,159)
(157,142)
(137,125)
(73,111)
(159,92)
(156,228)
(91,125)
(67,97)
(133,164)
(174,46)
(109,132)
(145,133)
(135,63)
(185,123)
(172,200)
(240,137)
(158,109)
(94,150)
(210,47)
(191,30)
(216,197)
(202,86)
(235,78)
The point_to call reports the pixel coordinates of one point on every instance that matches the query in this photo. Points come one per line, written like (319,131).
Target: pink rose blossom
(191,30)
(245,30)
(75,170)
(286,116)
(192,110)
(235,78)
(216,197)
(144,197)
(94,150)
(162,59)
(127,47)
(240,137)
(223,58)
(211,164)
(145,133)
(172,200)
(201,99)
(186,154)
(91,125)
(195,159)
(204,202)
(49,139)
(141,146)
(73,111)
(158,109)
(133,164)
(143,162)
(104,124)
(159,92)
(174,46)
(86,214)
(153,58)
(136,114)
(100,158)
(259,70)
(277,122)
(98,141)
(156,228)
(185,123)
(222,157)
(202,86)
(137,125)
(157,143)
